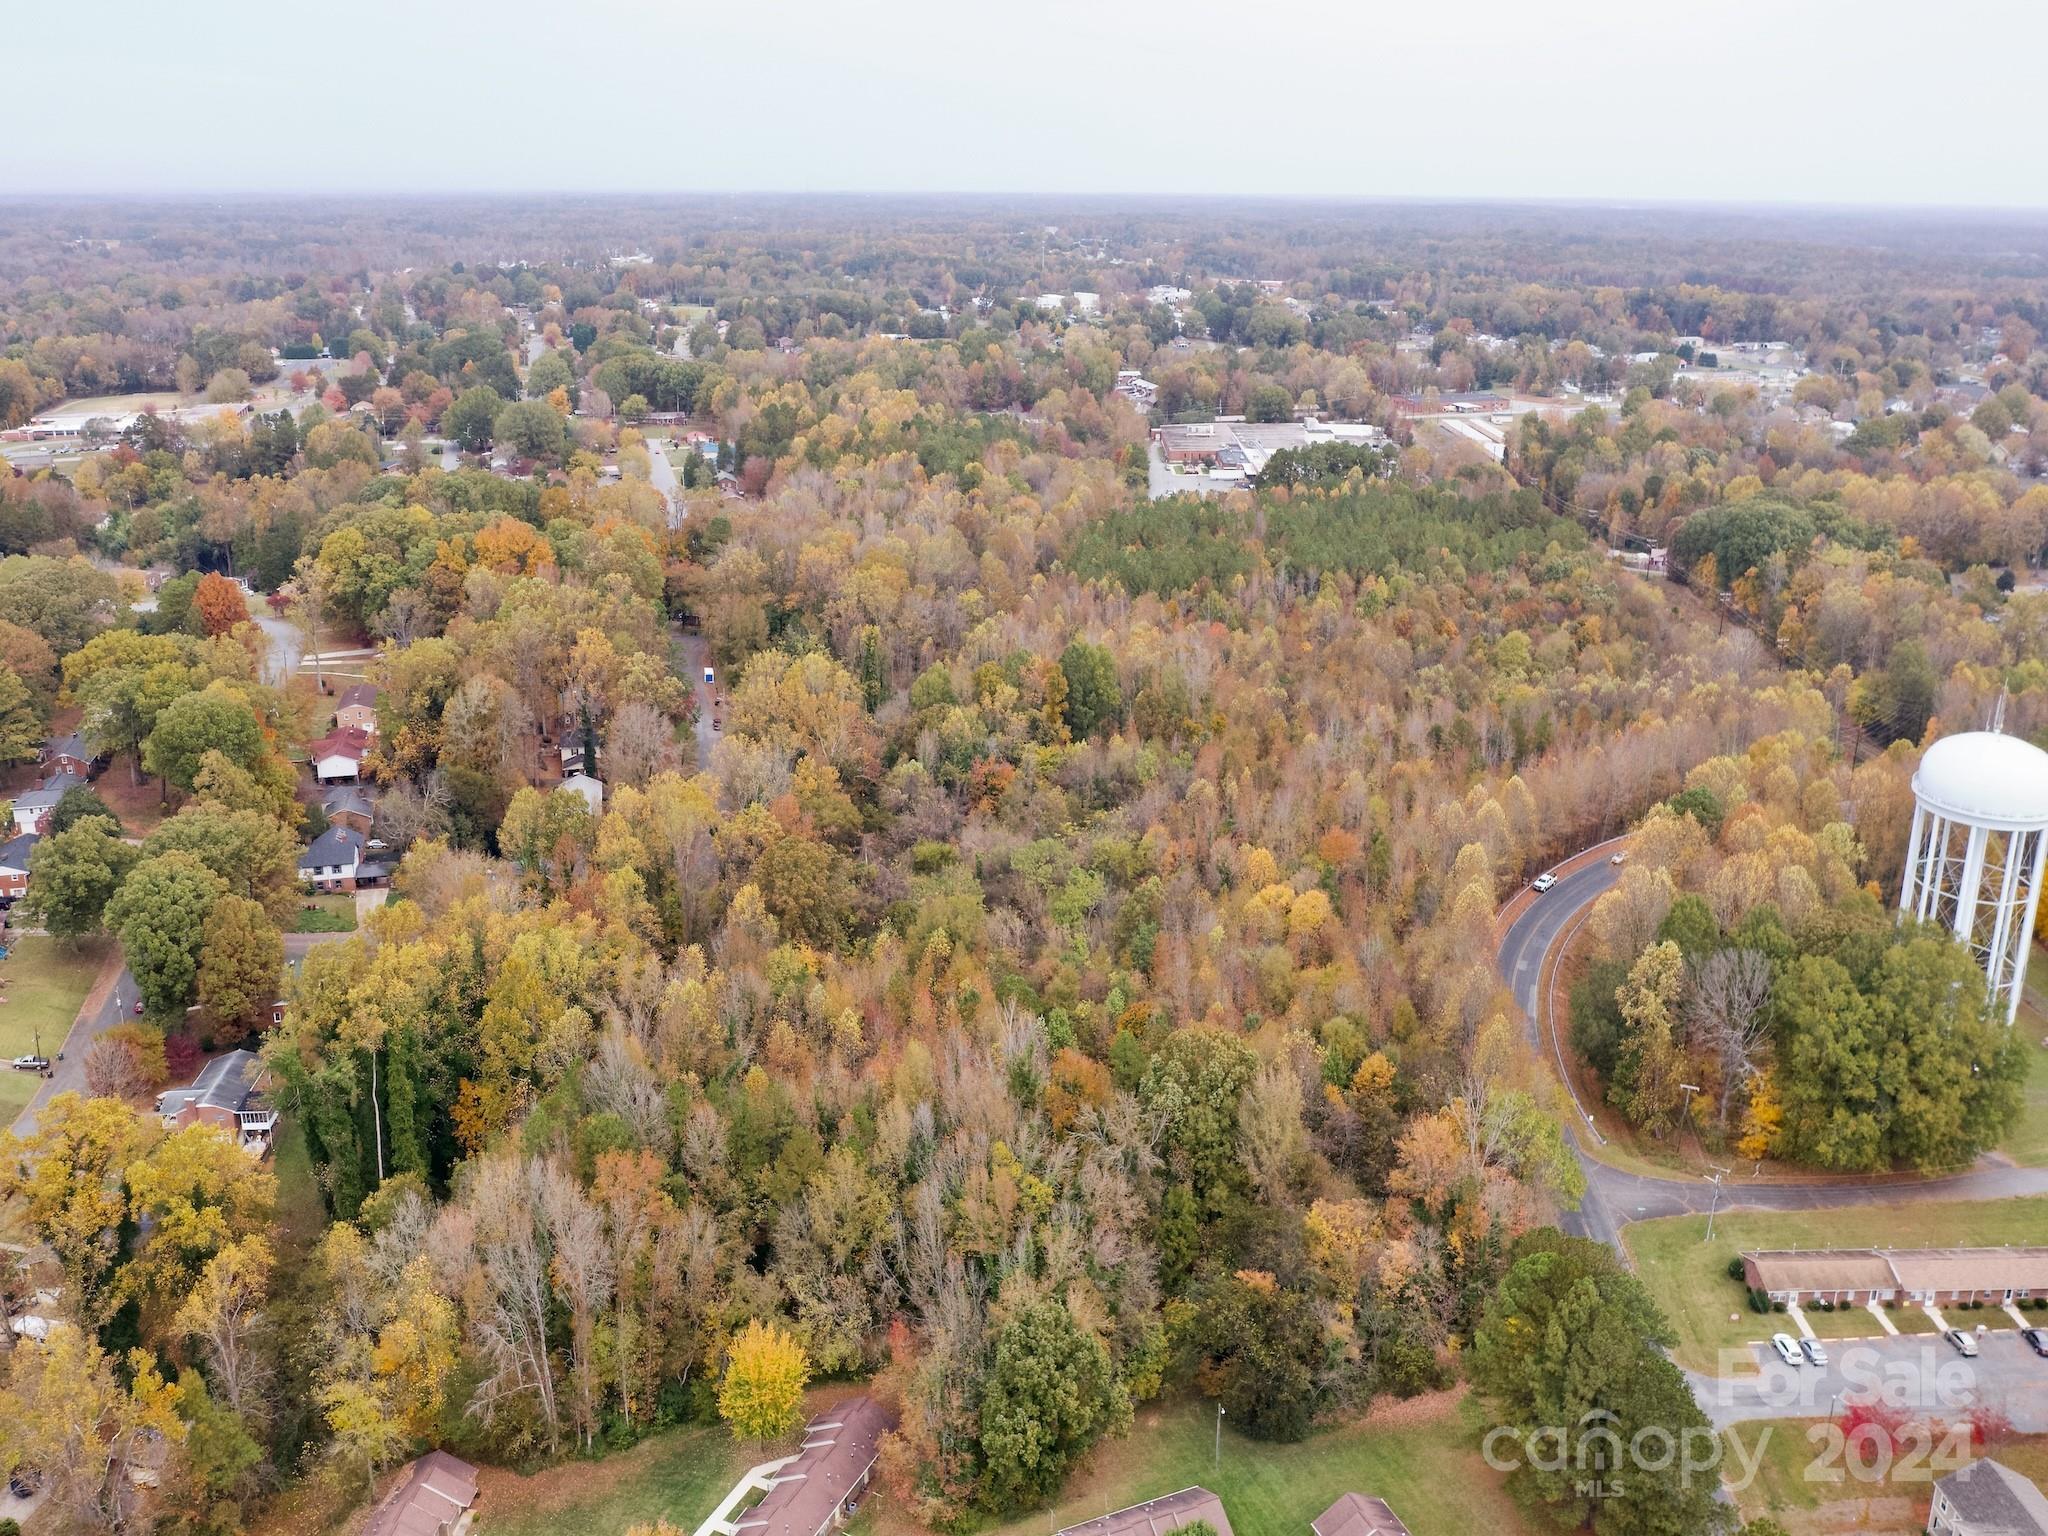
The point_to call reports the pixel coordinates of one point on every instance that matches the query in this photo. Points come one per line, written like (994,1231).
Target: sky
(1874,102)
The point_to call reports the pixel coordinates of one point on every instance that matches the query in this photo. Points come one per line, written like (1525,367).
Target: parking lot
(1922,1373)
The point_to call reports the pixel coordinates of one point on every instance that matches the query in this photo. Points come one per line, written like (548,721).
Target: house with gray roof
(14,854)
(32,807)
(1987,1498)
(223,1095)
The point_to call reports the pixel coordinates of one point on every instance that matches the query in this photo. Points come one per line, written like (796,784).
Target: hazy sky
(1853,101)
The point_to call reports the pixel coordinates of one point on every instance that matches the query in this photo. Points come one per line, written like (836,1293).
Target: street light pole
(1219,1435)
(1716,1205)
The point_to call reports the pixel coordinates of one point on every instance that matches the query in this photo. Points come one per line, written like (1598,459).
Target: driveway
(662,476)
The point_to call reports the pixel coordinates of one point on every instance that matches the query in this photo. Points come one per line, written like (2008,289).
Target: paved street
(68,1067)
(1614,1197)
(662,476)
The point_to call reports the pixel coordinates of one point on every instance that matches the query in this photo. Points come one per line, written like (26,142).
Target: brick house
(334,860)
(348,805)
(32,808)
(1858,1276)
(357,710)
(14,866)
(67,754)
(223,1095)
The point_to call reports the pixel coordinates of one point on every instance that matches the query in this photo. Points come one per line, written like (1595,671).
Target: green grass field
(2028,1143)
(1421,1457)
(46,980)
(679,1477)
(1689,1278)
(326,912)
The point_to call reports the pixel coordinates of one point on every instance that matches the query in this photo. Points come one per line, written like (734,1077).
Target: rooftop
(1911,1269)
(15,851)
(223,1083)
(1990,1496)
(428,1502)
(1157,1516)
(337,845)
(360,693)
(1356,1515)
(839,1445)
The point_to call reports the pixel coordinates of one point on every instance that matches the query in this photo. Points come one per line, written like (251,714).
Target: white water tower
(1979,850)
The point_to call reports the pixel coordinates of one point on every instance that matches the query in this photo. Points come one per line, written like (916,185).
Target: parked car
(1787,1348)
(138,1007)
(2036,1340)
(1966,1344)
(1543,882)
(30,1063)
(1815,1355)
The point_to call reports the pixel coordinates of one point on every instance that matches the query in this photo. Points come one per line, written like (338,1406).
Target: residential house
(334,860)
(1155,1517)
(1858,1276)
(357,709)
(592,790)
(815,1490)
(437,1498)
(349,805)
(223,1095)
(338,758)
(1356,1514)
(14,866)
(1987,1498)
(32,807)
(67,754)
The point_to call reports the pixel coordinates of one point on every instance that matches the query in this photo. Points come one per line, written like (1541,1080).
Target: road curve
(1615,1197)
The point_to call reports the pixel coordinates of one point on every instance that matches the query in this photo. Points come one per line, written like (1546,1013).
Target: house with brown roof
(1356,1514)
(815,1490)
(437,1498)
(1155,1517)
(357,709)
(1858,1276)
(1987,1498)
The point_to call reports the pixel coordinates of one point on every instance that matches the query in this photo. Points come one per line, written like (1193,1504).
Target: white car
(1543,882)
(1620,857)
(1787,1348)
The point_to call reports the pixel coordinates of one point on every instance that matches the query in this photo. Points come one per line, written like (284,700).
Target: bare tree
(1731,989)
(640,744)
(582,1271)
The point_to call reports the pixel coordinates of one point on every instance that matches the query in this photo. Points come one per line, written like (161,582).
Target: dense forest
(1060,972)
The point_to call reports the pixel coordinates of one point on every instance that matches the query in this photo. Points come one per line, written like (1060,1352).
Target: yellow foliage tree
(761,1394)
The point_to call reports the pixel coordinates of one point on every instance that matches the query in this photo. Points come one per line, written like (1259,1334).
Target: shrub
(1758,1301)
(1735,1269)
(1777,1306)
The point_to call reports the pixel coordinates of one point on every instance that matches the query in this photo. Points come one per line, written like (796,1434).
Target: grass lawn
(325,912)
(1689,1277)
(1420,1456)
(46,980)
(1800,1483)
(2028,1143)
(1850,1323)
(679,1477)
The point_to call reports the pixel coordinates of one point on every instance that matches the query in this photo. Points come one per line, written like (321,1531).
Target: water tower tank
(1979,850)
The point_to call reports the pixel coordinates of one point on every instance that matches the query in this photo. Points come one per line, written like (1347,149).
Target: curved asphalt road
(1615,1198)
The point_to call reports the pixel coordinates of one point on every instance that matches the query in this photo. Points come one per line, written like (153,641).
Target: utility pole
(1716,1205)
(1219,1436)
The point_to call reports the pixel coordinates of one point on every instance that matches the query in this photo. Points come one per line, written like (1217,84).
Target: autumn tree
(219,603)
(761,1393)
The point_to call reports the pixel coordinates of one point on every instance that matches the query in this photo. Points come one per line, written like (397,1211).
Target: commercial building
(1935,1276)
(1155,1517)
